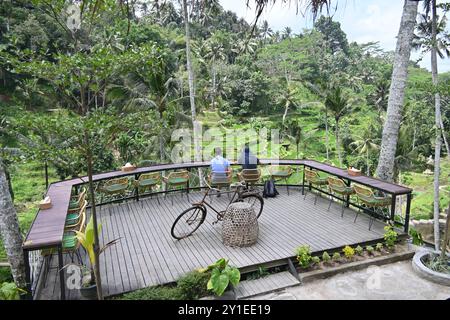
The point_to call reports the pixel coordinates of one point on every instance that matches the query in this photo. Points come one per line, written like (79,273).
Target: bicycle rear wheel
(255,200)
(188,222)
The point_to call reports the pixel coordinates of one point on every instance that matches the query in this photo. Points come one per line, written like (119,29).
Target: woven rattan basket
(240,225)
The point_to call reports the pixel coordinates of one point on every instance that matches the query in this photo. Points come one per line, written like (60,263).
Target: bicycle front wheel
(188,222)
(255,200)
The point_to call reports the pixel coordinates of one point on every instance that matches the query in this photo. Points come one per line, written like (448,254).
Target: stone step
(276,281)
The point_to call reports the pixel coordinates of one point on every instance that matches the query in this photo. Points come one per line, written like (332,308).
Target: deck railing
(62,190)
(296,180)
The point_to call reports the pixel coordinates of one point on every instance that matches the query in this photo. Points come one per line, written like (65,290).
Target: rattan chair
(148,182)
(367,198)
(114,187)
(77,201)
(118,186)
(219,180)
(176,180)
(278,173)
(249,176)
(314,179)
(70,246)
(73,219)
(337,186)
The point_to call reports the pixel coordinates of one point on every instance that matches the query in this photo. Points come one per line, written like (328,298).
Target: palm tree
(385,169)
(215,52)
(434,46)
(380,96)
(339,105)
(287,31)
(294,131)
(321,90)
(195,124)
(287,98)
(365,145)
(245,46)
(266,31)
(424,33)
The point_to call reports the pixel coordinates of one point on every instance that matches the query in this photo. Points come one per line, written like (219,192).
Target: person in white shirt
(220,168)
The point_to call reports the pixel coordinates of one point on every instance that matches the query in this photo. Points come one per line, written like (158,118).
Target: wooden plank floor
(147,255)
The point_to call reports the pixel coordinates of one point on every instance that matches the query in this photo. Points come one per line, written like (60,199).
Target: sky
(362,20)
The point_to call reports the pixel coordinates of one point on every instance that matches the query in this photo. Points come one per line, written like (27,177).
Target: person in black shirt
(247,159)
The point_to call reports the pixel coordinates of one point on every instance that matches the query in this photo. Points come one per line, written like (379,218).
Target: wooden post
(408,209)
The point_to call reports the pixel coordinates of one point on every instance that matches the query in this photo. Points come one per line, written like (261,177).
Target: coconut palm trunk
(338,144)
(367,162)
(326,135)
(195,124)
(438,122)
(385,169)
(444,138)
(10,232)
(446,235)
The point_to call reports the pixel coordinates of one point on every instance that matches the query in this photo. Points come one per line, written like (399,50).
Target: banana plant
(87,240)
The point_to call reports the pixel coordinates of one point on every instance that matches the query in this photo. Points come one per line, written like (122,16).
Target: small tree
(339,104)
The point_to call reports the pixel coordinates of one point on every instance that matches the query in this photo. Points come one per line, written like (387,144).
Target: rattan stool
(240,225)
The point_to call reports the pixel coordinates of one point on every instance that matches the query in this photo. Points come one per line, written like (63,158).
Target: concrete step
(276,281)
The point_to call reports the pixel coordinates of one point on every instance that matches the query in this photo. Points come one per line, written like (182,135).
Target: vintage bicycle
(191,219)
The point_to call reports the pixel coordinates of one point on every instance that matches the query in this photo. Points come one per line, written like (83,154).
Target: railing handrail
(204,164)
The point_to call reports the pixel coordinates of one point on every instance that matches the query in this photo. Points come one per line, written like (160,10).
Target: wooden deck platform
(147,255)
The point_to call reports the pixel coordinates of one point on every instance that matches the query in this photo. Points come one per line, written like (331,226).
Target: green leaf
(234,275)
(220,284)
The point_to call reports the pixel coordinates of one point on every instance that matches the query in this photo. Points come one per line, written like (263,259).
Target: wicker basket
(128,167)
(354,172)
(240,225)
(45,203)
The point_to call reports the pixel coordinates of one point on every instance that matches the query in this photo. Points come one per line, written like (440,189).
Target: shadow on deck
(147,255)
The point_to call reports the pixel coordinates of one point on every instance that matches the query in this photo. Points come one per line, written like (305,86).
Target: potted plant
(88,287)
(223,279)
(434,265)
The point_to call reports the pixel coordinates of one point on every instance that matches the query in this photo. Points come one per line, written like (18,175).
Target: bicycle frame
(203,202)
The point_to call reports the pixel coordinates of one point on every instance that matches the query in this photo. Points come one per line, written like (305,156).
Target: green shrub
(315,260)
(5,274)
(379,246)
(370,249)
(416,237)
(154,293)
(336,256)
(304,256)
(359,250)
(390,236)
(326,257)
(349,252)
(193,285)
(9,291)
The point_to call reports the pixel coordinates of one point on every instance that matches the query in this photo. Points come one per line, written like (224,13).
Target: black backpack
(269,189)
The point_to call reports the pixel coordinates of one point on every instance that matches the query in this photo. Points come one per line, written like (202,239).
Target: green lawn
(422,203)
